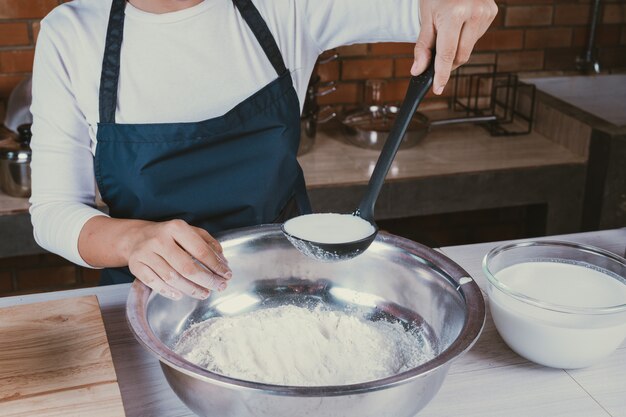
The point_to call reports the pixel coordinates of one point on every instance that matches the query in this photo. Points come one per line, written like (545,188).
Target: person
(185,115)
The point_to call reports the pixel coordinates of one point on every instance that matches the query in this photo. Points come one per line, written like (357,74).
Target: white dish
(558,304)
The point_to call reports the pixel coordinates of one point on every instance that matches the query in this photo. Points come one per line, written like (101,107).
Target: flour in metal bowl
(296,346)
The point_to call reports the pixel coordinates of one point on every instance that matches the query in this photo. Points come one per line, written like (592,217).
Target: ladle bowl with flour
(335,237)
(291,336)
(330,237)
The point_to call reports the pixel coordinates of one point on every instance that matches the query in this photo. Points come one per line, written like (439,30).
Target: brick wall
(527,35)
(19,26)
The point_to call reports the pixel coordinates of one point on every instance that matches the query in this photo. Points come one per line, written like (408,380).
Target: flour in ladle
(295,346)
(329,228)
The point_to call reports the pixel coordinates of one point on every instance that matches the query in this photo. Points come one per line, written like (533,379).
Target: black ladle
(418,87)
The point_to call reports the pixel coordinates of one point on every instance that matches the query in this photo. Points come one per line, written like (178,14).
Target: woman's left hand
(452,27)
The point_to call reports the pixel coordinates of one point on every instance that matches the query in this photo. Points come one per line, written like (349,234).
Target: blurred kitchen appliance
(18,105)
(15,157)
(312,113)
(15,152)
(369,127)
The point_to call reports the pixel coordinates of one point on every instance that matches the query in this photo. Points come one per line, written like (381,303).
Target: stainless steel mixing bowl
(395,279)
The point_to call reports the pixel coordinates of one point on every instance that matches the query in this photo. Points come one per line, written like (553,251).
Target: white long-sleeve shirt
(184,66)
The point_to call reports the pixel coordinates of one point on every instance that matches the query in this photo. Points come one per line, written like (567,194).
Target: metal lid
(381,118)
(16,148)
(18,105)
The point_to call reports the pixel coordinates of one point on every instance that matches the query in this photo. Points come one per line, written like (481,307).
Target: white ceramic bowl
(558,304)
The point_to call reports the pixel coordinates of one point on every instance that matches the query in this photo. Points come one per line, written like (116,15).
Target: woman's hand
(452,27)
(172,257)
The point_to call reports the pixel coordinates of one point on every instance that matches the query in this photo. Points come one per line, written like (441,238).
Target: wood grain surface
(55,360)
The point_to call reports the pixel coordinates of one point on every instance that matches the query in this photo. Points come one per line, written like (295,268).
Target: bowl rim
(544,304)
(466,287)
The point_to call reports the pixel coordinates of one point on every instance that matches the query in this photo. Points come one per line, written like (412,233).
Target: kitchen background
(528,36)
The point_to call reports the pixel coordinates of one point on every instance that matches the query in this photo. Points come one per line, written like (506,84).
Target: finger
(423,47)
(466,44)
(478,23)
(211,241)
(197,247)
(447,43)
(191,268)
(483,16)
(146,275)
(210,279)
(215,244)
(174,279)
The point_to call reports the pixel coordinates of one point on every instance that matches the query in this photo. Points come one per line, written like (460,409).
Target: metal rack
(479,90)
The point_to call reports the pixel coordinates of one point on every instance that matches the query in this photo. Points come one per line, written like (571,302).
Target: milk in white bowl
(556,312)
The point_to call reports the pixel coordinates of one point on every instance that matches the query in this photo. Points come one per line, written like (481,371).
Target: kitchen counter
(583,118)
(12,205)
(455,169)
(453,150)
(586,114)
(490,380)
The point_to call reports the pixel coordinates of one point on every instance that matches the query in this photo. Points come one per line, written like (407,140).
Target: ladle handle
(418,87)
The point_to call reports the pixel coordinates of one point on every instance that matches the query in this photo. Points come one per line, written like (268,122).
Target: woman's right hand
(174,258)
(171,257)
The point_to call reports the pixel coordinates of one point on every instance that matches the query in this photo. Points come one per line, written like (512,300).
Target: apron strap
(257,24)
(110,75)
(111,62)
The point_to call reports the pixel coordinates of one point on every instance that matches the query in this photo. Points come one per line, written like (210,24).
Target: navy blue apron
(236,170)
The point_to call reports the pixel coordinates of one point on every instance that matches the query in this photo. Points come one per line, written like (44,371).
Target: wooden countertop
(490,380)
(55,360)
(12,205)
(446,150)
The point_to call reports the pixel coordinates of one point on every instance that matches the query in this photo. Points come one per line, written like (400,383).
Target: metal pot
(369,128)
(311,110)
(395,279)
(15,157)
(308,127)
(310,117)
